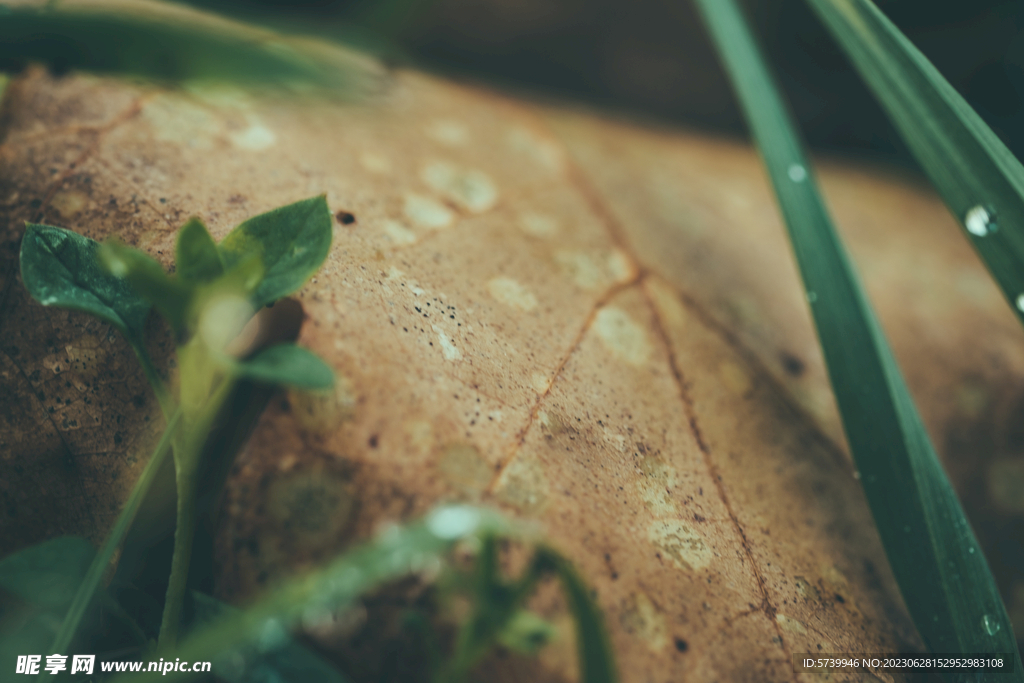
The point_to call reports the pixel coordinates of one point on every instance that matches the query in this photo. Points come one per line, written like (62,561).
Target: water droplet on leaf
(797,173)
(990,625)
(979,221)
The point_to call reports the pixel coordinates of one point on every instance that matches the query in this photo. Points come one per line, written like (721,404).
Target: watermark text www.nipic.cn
(84,664)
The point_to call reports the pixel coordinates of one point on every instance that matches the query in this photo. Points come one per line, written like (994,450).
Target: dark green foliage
(60,268)
(288,662)
(935,557)
(288,365)
(47,574)
(292,242)
(197,259)
(979,179)
(171,42)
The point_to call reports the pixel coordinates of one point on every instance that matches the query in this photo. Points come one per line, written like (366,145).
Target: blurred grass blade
(91,582)
(594,648)
(172,42)
(312,598)
(935,557)
(977,176)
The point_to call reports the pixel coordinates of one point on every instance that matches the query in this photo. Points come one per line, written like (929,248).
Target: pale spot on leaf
(448,132)
(448,348)
(681,544)
(620,266)
(464,469)
(580,268)
(471,189)
(426,212)
(544,152)
(254,138)
(69,203)
(375,163)
(523,485)
(511,293)
(175,119)
(655,486)
(539,382)
(622,336)
(538,225)
(399,233)
(640,618)
(790,625)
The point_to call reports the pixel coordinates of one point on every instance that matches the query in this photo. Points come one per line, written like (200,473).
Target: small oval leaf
(60,268)
(292,242)
(196,257)
(147,277)
(288,364)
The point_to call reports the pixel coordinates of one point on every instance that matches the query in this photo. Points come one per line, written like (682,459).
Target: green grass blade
(934,555)
(970,167)
(393,554)
(87,589)
(172,42)
(594,649)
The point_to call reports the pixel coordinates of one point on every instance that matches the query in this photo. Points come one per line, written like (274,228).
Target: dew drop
(453,522)
(856,474)
(797,173)
(990,625)
(813,296)
(978,221)
(970,550)
(1020,302)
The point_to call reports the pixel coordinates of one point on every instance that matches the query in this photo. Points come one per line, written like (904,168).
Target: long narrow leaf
(91,583)
(934,555)
(397,552)
(173,42)
(978,178)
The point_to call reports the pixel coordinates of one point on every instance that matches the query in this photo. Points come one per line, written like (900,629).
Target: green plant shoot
(214,293)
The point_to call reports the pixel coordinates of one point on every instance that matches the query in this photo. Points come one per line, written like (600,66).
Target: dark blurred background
(651,57)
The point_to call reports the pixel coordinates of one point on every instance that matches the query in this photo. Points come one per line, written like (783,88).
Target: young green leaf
(60,268)
(391,555)
(978,178)
(197,259)
(289,365)
(291,241)
(287,660)
(47,574)
(169,41)
(147,277)
(941,571)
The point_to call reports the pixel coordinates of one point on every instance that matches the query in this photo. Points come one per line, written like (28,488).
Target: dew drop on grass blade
(934,555)
(978,178)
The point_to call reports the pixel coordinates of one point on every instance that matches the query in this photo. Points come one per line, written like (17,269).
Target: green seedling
(207,302)
(235,642)
(214,292)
